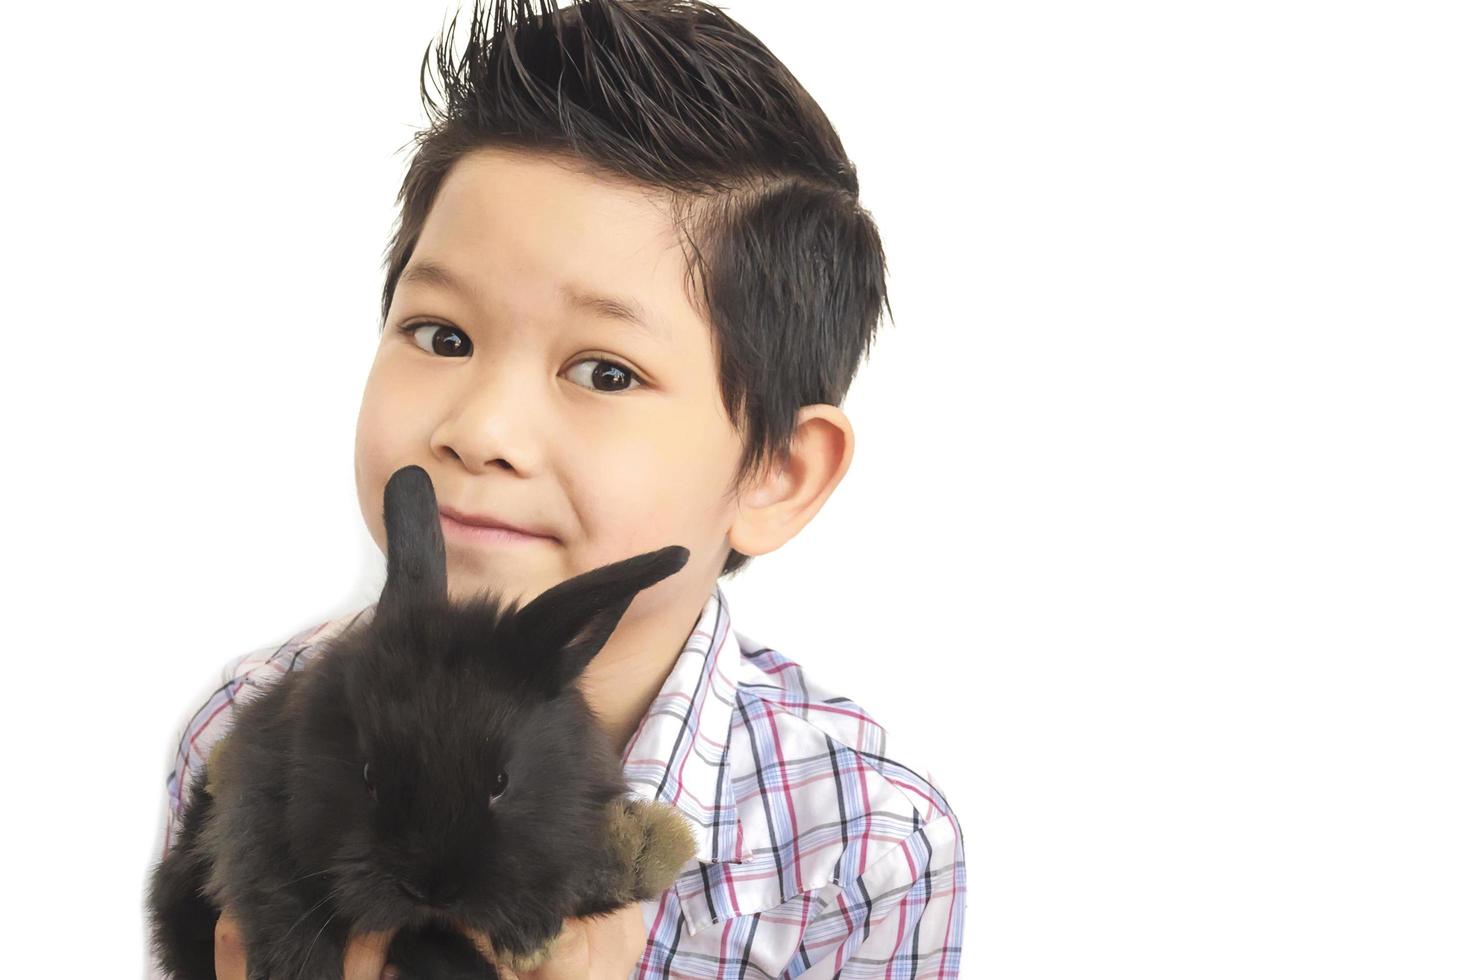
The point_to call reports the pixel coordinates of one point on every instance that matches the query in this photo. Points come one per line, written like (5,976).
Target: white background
(1155,545)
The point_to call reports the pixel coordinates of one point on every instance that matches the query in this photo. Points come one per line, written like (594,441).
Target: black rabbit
(433,766)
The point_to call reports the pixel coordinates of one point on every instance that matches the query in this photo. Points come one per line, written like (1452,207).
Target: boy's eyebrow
(431,273)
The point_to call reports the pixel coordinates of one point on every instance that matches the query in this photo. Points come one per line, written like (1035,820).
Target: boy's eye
(447,341)
(457,344)
(606,375)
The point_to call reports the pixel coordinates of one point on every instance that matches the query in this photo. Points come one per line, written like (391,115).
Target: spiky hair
(783,262)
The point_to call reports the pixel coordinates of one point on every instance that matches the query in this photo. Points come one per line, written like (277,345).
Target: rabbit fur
(433,766)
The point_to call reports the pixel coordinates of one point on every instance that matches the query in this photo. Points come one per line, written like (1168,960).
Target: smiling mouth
(479,535)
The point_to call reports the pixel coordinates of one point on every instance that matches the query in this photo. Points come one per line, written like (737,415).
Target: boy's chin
(506,572)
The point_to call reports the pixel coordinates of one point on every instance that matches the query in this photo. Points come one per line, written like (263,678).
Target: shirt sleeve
(903,917)
(154,969)
(196,737)
(206,727)
(211,722)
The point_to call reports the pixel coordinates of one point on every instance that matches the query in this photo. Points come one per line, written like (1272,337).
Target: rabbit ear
(416,573)
(563,628)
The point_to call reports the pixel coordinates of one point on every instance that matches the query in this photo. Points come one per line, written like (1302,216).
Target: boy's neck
(626,675)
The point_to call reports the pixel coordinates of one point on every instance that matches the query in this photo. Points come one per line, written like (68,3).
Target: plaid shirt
(821,852)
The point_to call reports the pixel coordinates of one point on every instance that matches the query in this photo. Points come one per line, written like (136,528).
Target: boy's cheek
(370,490)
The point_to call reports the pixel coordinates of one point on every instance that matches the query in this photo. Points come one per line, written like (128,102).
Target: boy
(629,286)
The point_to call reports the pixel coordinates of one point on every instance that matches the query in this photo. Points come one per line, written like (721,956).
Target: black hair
(782,261)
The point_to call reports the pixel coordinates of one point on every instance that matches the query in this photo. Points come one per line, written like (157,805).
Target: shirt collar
(679,754)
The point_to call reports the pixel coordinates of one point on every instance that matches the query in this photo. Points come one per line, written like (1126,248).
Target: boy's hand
(601,948)
(366,953)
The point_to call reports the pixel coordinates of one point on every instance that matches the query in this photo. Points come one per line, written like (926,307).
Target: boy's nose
(487,430)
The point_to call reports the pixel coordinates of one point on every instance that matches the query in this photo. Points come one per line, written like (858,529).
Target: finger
(229,952)
(570,954)
(365,956)
(482,943)
(616,942)
(635,935)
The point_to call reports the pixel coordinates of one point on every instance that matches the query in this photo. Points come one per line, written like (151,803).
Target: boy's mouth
(486,529)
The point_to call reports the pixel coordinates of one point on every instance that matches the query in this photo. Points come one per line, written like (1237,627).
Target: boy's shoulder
(791,786)
(242,674)
(259,668)
(820,832)
(789,702)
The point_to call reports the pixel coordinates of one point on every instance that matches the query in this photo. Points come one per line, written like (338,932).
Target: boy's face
(511,397)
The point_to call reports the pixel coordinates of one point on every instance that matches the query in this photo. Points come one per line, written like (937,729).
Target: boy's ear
(789,493)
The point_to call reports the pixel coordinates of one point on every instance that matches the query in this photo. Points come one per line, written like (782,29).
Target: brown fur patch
(667,846)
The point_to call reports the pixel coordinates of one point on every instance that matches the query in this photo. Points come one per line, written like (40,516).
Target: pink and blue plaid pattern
(823,851)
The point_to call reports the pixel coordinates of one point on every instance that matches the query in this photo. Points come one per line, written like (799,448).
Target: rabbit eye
(501,780)
(368,778)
